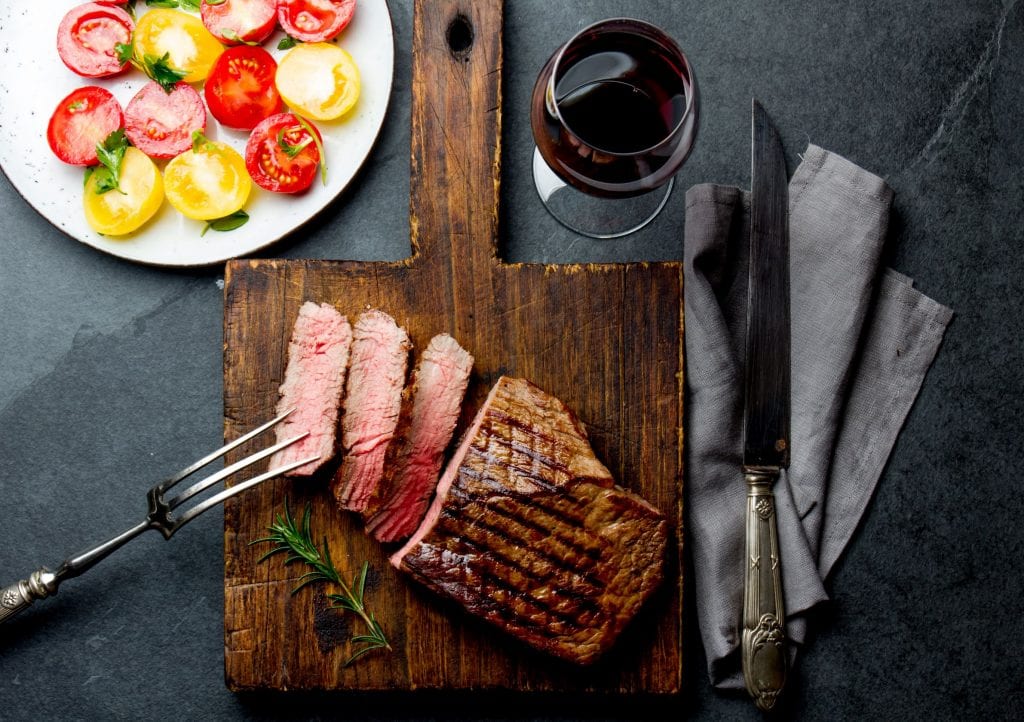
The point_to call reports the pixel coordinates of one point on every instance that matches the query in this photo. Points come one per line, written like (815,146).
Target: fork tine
(238,489)
(168,483)
(227,471)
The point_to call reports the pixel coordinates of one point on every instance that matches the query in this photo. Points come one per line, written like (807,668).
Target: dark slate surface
(111,377)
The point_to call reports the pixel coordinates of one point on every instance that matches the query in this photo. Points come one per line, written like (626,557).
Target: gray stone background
(111,377)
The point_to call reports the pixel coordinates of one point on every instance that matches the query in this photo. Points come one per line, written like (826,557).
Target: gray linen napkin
(862,341)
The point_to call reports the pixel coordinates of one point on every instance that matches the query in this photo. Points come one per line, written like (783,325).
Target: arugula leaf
(162,3)
(227,223)
(319,146)
(193,5)
(111,155)
(287,42)
(230,34)
(161,70)
(289,149)
(124,51)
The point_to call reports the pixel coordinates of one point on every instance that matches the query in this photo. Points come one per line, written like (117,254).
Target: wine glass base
(594,216)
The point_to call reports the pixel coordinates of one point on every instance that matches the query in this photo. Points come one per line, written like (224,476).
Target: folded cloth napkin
(862,340)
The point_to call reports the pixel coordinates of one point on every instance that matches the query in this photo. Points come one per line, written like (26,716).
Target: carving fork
(43,583)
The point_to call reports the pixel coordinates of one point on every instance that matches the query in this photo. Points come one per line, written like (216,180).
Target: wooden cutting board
(607,339)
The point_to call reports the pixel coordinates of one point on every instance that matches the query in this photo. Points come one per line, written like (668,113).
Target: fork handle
(20,595)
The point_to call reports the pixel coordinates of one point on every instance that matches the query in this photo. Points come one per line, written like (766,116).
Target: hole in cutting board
(460,36)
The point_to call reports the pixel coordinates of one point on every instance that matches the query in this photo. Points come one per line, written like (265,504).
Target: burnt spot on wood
(333,627)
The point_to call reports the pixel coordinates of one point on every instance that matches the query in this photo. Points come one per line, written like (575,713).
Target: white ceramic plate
(34,80)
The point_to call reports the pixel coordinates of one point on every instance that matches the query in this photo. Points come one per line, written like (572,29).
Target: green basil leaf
(287,42)
(162,3)
(124,52)
(227,223)
(161,70)
(230,34)
(289,149)
(111,155)
(105,180)
(192,5)
(200,141)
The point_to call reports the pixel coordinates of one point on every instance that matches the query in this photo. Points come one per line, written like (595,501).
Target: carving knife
(765,412)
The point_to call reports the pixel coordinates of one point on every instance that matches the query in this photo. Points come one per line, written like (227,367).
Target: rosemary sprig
(296,540)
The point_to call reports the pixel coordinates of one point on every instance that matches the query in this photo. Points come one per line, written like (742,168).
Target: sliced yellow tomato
(116,213)
(191,47)
(318,80)
(207,182)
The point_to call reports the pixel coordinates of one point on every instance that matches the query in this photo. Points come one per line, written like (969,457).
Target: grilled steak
(313,380)
(529,531)
(430,410)
(373,398)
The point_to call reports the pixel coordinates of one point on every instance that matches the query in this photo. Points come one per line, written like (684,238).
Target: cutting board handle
(456,132)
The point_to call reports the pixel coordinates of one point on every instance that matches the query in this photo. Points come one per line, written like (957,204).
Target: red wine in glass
(614,115)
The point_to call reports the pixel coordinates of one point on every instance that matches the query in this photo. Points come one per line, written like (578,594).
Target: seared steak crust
(529,531)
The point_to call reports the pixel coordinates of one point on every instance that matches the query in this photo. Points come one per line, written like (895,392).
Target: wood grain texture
(607,339)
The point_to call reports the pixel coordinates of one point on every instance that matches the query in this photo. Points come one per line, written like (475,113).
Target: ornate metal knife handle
(20,595)
(764,632)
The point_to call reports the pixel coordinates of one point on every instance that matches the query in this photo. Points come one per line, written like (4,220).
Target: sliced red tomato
(281,155)
(240,91)
(240,21)
(160,124)
(83,119)
(87,38)
(314,21)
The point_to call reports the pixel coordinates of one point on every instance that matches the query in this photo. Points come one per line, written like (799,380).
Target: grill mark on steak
(577,599)
(529,532)
(489,459)
(526,547)
(517,447)
(490,608)
(511,588)
(543,503)
(505,419)
(591,551)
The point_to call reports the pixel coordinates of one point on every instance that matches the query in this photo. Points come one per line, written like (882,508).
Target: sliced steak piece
(529,531)
(313,381)
(373,398)
(430,410)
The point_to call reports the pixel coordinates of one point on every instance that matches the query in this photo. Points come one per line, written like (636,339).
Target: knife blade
(765,412)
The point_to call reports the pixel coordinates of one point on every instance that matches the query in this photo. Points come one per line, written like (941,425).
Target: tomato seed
(305,20)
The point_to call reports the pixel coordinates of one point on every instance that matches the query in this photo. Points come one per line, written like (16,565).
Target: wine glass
(614,115)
